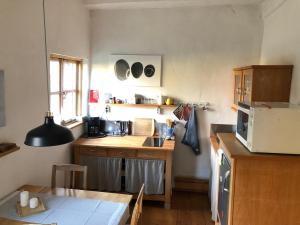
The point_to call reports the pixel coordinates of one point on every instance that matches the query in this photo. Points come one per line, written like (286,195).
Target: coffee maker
(93,127)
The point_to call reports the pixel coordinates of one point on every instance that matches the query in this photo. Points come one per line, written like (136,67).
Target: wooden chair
(137,210)
(70,175)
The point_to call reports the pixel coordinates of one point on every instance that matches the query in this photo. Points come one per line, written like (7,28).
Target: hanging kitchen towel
(190,137)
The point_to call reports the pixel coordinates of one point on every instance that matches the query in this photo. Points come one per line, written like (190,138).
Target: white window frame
(78,91)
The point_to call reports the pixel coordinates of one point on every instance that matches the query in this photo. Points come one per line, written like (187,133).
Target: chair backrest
(71,172)
(137,210)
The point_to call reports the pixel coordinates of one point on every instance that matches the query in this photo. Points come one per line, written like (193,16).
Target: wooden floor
(186,209)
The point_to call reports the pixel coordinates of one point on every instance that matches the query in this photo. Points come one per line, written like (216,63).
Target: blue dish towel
(190,137)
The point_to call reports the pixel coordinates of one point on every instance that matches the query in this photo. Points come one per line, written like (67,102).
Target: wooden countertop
(132,142)
(234,149)
(214,143)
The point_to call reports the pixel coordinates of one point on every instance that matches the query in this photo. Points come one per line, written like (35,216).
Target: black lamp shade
(49,134)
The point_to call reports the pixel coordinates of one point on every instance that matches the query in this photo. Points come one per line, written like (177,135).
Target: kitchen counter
(215,143)
(130,147)
(124,142)
(219,128)
(235,149)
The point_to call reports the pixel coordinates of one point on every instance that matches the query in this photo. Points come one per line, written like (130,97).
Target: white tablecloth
(69,211)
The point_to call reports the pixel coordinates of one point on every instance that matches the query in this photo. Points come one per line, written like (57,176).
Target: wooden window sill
(73,125)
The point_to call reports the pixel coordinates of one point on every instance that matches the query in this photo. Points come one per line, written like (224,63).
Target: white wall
(22,59)
(199,45)
(281,38)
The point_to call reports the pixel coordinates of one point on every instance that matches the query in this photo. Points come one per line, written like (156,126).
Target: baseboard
(191,184)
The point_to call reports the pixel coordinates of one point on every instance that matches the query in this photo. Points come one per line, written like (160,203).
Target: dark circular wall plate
(137,69)
(149,71)
(122,70)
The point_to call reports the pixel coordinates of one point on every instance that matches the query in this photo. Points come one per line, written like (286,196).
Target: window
(65,88)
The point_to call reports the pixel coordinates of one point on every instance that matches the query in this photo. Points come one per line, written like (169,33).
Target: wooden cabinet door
(237,86)
(247,85)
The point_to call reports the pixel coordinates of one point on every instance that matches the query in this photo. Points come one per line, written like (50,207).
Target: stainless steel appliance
(93,127)
(96,127)
(269,127)
(224,190)
(215,162)
(116,127)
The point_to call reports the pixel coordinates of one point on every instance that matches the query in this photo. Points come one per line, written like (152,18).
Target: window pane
(55,104)
(69,76)
(69,106)
(54,75)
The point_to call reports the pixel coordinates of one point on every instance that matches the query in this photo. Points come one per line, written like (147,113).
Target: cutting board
(26,211)
(143,127)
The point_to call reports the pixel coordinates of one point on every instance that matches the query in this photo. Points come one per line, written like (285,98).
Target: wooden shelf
(9,150)
(137,105)
(168,106)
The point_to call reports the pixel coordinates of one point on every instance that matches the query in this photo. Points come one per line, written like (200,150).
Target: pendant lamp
(48,134)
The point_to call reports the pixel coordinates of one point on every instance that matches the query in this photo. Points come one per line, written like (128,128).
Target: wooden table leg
(168,181)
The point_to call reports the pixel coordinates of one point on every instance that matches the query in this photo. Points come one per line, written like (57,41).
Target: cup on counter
(33,203)
(24,198)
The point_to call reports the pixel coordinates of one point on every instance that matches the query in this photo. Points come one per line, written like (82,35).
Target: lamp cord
(46,54)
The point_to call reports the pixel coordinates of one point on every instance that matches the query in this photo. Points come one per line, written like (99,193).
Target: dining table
(68,207)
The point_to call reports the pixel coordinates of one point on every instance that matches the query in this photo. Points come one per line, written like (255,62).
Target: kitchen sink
(153,142)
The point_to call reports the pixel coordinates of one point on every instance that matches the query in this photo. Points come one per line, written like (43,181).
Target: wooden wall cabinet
(269,83)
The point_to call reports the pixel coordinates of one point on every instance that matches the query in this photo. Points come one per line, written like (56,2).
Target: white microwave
(269,127)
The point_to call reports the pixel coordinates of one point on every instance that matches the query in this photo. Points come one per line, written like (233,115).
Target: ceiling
(125,4)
